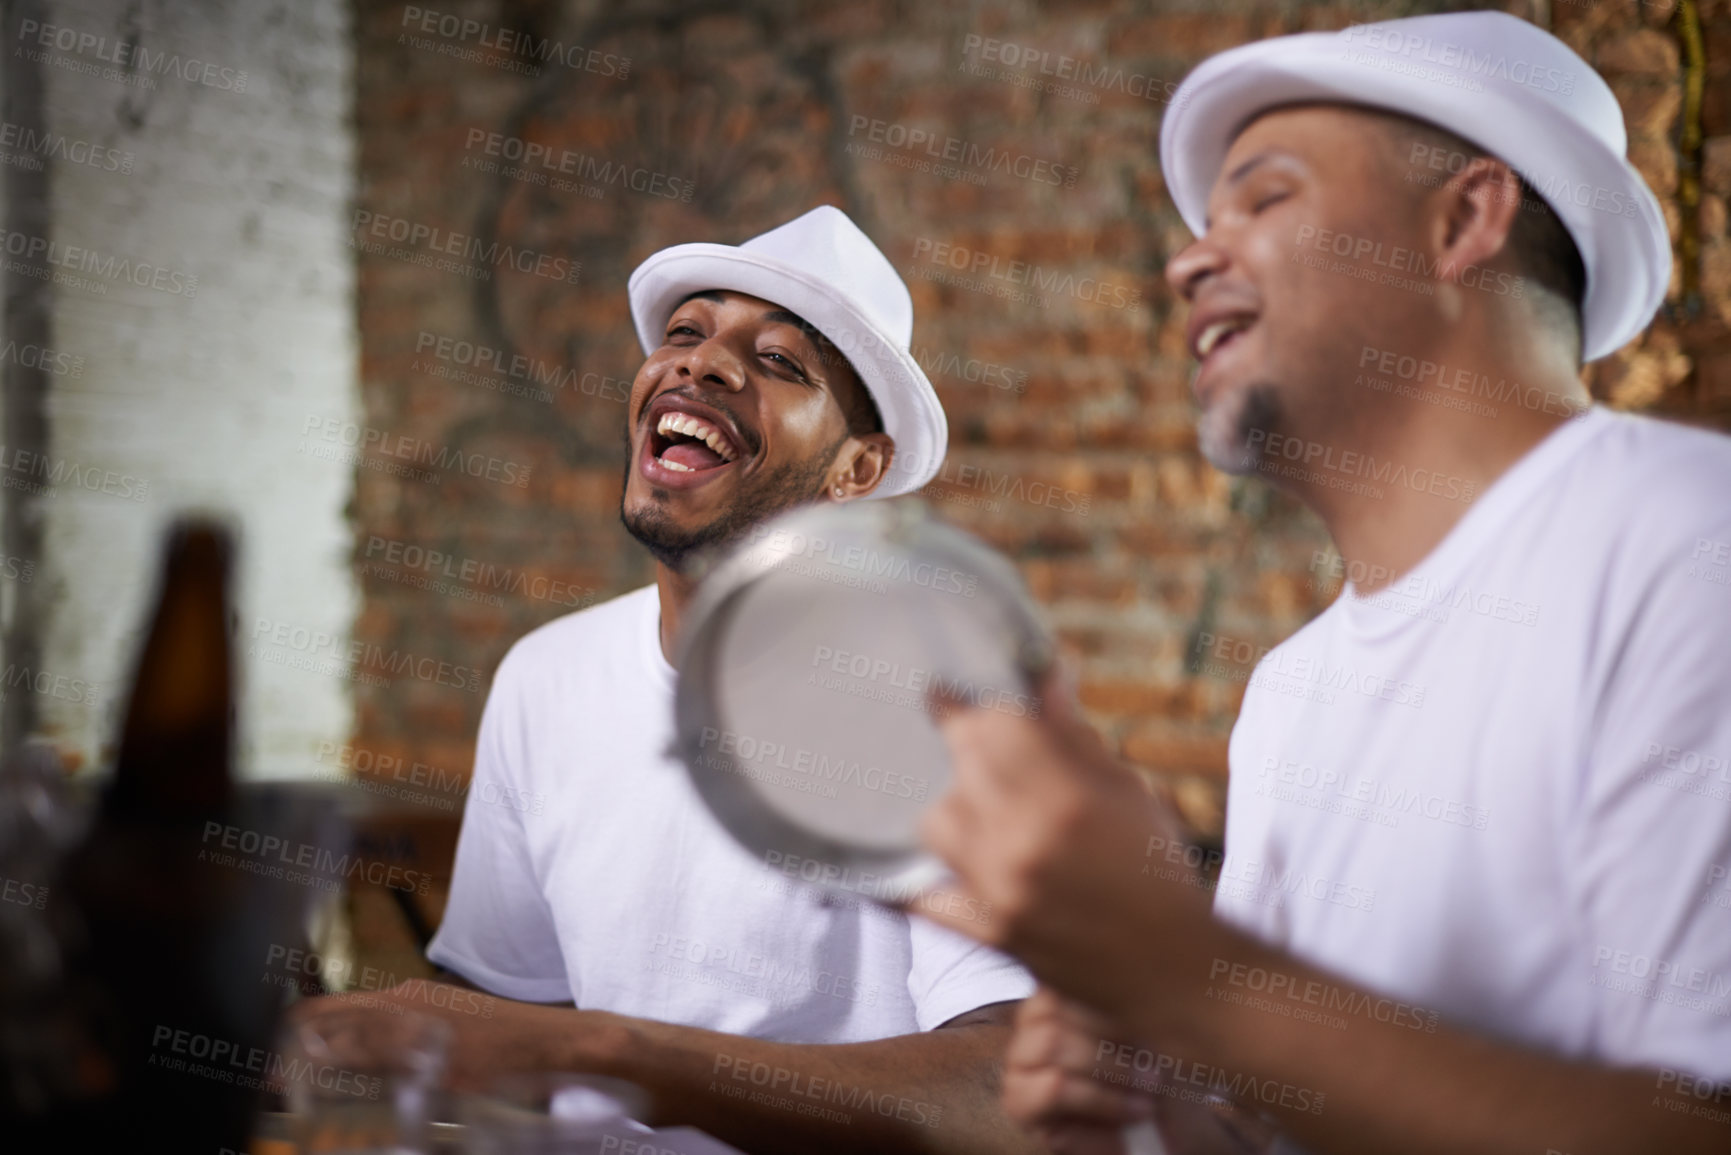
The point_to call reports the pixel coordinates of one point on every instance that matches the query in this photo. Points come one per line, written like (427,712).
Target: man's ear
(860,466)
(1480,204)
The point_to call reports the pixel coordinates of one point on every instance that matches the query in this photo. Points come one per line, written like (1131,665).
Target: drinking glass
(553,1113)
(362,1080)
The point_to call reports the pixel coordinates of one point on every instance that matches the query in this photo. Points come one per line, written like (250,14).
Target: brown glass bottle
(165,930)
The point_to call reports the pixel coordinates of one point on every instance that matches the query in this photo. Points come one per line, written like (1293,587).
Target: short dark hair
(1539,245)
(864,416)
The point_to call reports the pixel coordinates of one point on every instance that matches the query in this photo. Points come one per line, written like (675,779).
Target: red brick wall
(1073,449)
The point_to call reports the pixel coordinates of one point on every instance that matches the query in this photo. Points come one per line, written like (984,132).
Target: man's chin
(678,542)
(1225,429)
(671,539)
(1229,453)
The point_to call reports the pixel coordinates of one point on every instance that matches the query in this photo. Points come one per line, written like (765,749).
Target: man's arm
(932,1092)
(1387,1083)
(451,977)
(1044,826)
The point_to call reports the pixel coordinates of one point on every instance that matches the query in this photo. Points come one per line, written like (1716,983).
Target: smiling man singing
(778,373)
(1474,830)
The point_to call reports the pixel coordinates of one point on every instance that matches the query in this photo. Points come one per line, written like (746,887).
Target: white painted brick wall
(204,397)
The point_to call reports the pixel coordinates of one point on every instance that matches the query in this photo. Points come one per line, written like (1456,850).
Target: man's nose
(712,365)
(1195,262)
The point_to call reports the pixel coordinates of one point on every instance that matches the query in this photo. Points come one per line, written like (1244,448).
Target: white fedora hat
(822,267)
(1493,79)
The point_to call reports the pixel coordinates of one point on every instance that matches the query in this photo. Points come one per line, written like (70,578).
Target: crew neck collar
(1501,500)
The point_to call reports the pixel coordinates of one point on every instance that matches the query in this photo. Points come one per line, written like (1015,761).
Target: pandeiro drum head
(805,664)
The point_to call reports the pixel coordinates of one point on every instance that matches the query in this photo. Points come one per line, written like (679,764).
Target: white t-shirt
(1500,789)
(589,869)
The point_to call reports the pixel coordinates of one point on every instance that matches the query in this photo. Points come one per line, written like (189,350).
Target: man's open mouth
(686,443)
(1221,333)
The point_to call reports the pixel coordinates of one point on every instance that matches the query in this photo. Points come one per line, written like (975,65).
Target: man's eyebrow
(778,316)
(826,350)
(783,317)
(1243,170)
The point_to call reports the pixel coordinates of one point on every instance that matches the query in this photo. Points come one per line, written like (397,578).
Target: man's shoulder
(1648,468)
(1630,513)
(610,628)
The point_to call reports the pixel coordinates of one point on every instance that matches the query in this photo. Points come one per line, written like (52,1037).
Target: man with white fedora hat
(589,874)
(1477,863)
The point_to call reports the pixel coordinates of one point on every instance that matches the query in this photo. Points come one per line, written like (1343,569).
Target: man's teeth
(685,423)
(1217,332)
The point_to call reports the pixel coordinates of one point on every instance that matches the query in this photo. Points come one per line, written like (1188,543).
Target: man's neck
(675,591)
(1417,474)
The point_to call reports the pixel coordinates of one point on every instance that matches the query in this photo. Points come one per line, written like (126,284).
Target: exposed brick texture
(1076,454)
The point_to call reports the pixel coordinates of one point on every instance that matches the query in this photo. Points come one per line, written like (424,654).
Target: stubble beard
(1223,431)
(676,547)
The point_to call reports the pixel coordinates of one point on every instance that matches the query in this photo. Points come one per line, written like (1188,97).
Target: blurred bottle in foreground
(155,1025)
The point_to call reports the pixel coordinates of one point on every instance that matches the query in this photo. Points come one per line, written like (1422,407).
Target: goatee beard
(1223,431)
(794,484)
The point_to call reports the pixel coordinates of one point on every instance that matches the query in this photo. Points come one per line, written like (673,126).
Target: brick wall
(1072,444)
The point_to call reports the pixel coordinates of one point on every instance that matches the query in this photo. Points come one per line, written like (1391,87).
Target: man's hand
(489,1035)
(934,1092)
(1052,1081)
(1046,827)
(1072,1079)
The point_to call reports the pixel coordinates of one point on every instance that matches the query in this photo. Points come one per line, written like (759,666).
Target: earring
(839,492)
